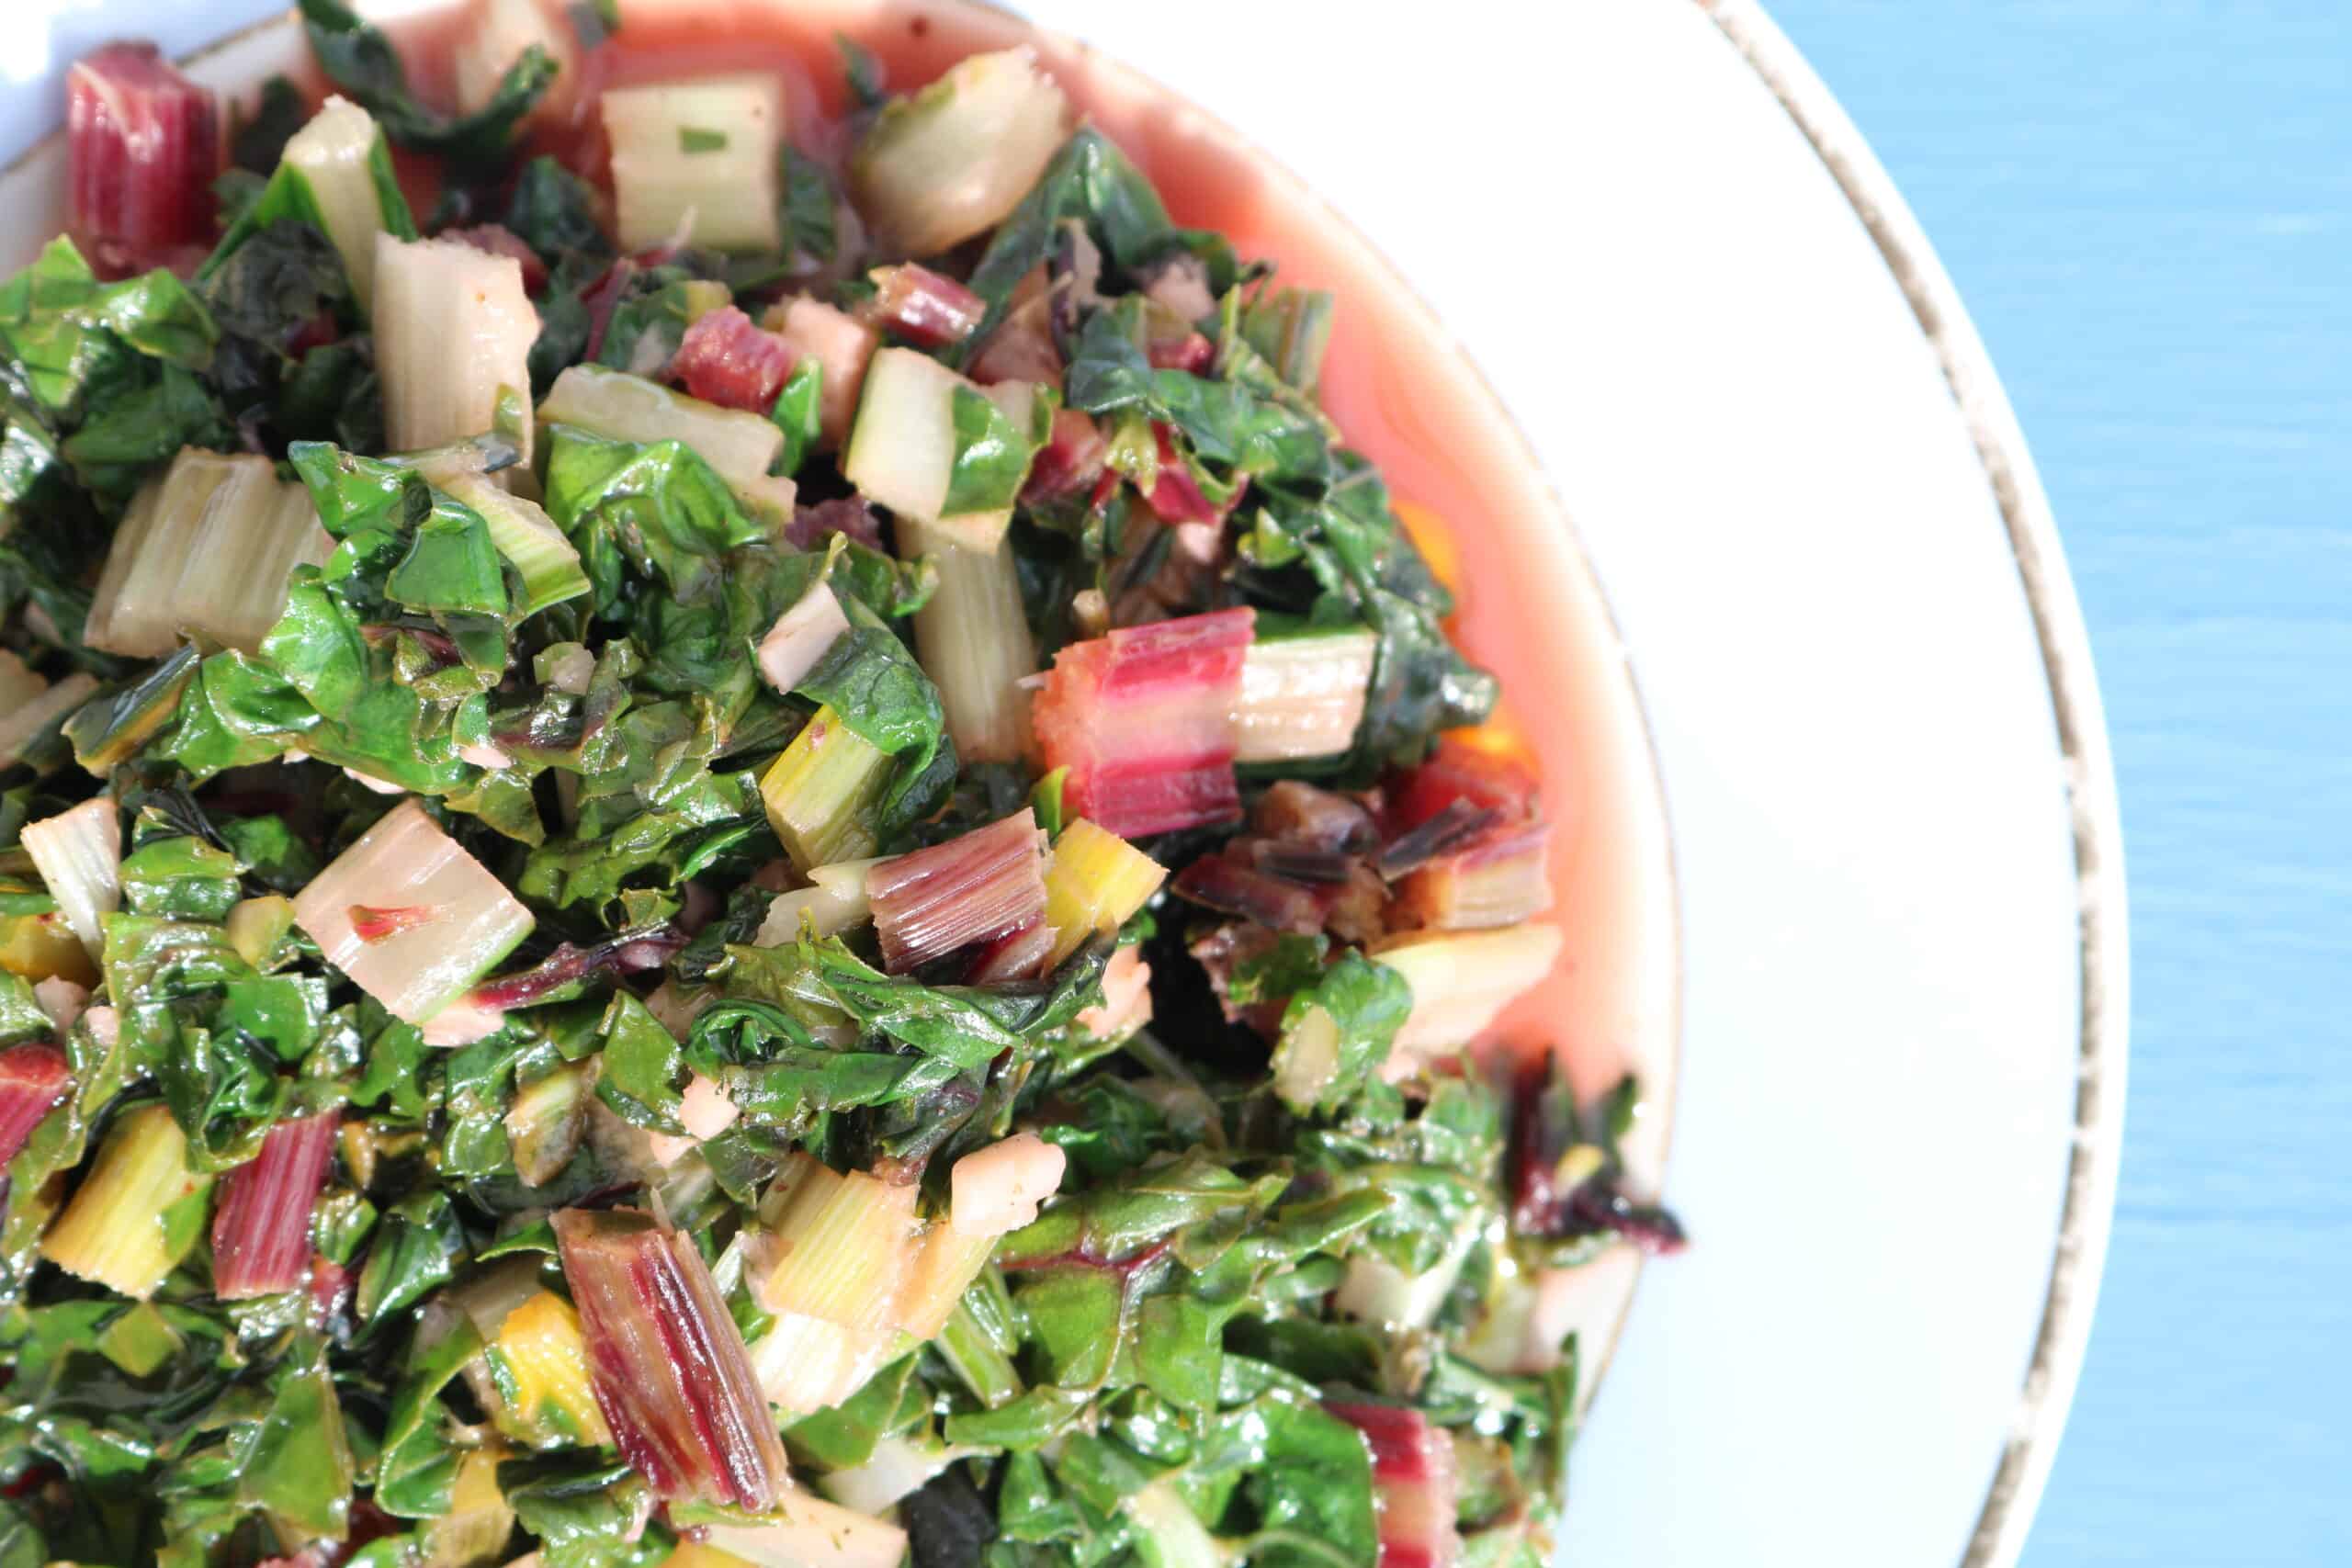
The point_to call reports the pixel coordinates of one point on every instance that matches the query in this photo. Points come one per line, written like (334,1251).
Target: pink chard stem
(671,1373)
(33,1079)
(261,1230)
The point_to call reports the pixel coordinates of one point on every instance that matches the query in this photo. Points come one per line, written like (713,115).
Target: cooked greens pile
(760,861)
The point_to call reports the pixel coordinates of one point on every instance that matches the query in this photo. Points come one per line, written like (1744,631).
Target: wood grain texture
(2148,206)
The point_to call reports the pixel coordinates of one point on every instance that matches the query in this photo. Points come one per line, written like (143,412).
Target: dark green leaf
(417,1465)
(643,1068)
(862,71)
(260,139)
(808,207)
(1091,181)
(364,64)
(416,1249)
(583,1507)
(633,511)
(554,211)
(1361,1006)
(991,456)
(870,679)
(797,414)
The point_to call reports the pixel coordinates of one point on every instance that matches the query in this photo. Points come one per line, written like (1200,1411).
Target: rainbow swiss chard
(1412,1467)
(1567,1178)
(261,1225)
(33,1078)
(970,891)
(924,308)
(144,144)
(672,1377)
(1144,720)
(1499,878)
(724,359)
(410,916)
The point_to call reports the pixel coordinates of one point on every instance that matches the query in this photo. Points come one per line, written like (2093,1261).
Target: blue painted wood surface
(2147,205)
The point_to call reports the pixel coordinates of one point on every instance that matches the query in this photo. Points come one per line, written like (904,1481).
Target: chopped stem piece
(839,344)
(255,927)
(822,791)
(997,1189)
(954,159)
(454,329)
(1376,1291)
(668,1365)
(801,635)
(973,889)
(34,1078)
(840,1245)
(832,906)
(30,705)
(137,1212)
(1126,998)
(479,1518)
(925,309)
(405,862)
(1303,696)
(496,35)
(1095,881)
(1462,982)
(345,170)
(807,1364)
(1017,955)
(79,855)
(809,1532)
(974,642)
(1144,720)
(931,446)
(705,1111)
(548,1119)
(897,1467)
(695,162)
(143,146)
(208,546)
(946,1261)
(261,1228)
(726,360)
(1170,1535)
(1499,879)
(540,1361)
(1412,1469)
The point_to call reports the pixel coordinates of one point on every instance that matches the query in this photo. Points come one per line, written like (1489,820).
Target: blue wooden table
(2148,206)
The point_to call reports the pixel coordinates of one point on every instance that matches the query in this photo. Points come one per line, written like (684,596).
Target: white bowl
(1902,985)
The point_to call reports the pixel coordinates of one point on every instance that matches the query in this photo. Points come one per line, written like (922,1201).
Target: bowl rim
(2102,1047)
